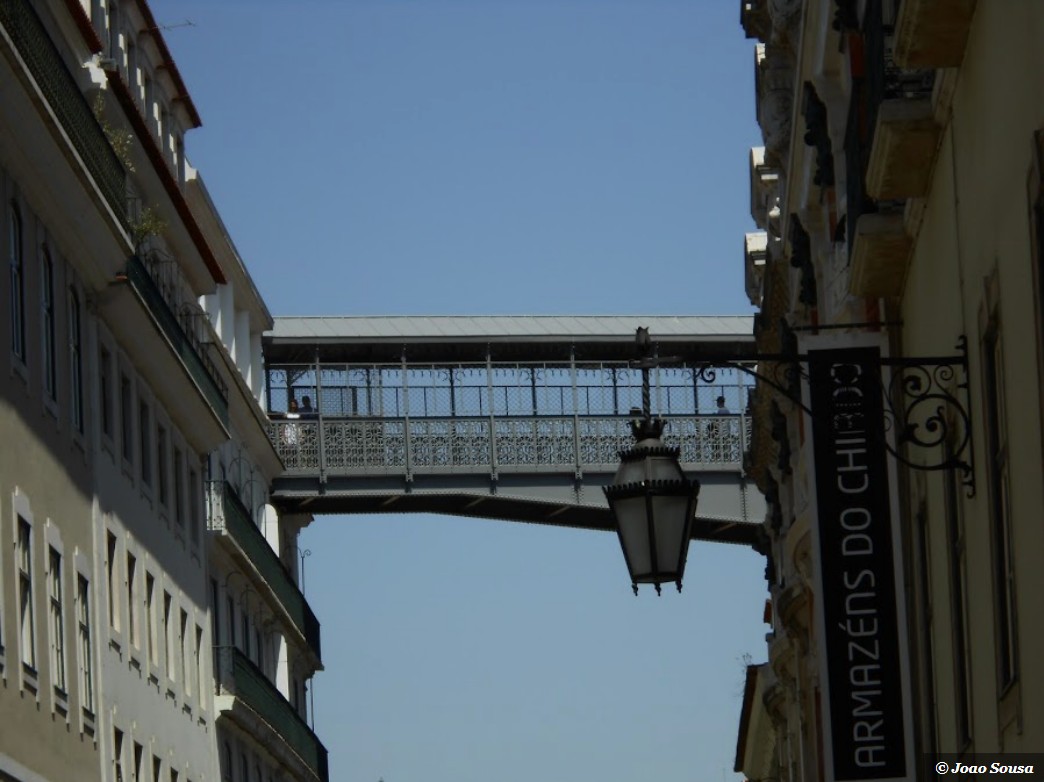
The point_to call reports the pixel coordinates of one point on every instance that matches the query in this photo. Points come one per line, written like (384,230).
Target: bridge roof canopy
(505,337)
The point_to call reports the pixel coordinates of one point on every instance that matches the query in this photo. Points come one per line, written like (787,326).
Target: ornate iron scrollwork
(924,410)
(927,416)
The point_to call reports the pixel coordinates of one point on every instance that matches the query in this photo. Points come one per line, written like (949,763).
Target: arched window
(75,361)
(17,271)
(50,366)
(226,774)
(114,31)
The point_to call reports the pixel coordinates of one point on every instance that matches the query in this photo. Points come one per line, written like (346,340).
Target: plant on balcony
(148,223)
(120,139)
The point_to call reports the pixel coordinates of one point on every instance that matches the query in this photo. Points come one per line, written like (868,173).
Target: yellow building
(899,192)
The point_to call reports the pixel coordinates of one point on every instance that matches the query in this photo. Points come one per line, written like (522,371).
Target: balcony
(903,135)
(906,139)
(239,677)
(60,89)
(932,33)
(229,517)
(192,352)
(880,255)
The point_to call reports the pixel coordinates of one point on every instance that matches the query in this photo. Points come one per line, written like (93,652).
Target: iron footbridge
(506,418)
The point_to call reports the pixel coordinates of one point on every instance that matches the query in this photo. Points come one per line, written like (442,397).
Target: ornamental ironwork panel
(602,439)
(535,442)
(297,443)
(561,417)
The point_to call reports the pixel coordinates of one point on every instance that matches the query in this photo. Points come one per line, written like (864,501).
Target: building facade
(898,195)
(151,627)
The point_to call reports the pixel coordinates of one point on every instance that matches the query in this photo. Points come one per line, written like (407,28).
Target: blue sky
(495,157)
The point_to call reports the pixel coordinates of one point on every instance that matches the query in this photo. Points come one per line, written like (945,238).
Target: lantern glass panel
(671,528)
(634,533)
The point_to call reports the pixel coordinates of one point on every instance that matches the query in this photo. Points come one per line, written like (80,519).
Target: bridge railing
(361,445)
(498,389)
(540,417)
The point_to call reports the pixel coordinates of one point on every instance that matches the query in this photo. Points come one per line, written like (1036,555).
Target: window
(132,600)
(150,620)
(168,634)
(126,422)
(75,362)
(136,770)
(54,583)
(105,390)
(145,436)
(215,620)
(246,633)
(132,70)
(50,361)
(195,502)
(200,681)
(226,772)
(179,158)
(1035,186)
(161,465)
(179,488)
(117,754)
(150,100)
(98,17)
(231,604)
(182,658)
(25,597)
(83,617)
(17,273)
(114,30)
(110,580)
(1000,508)
(157,767)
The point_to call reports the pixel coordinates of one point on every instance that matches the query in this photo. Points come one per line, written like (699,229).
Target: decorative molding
(774,84)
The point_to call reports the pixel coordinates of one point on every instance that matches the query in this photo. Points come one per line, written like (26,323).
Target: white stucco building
(150,623)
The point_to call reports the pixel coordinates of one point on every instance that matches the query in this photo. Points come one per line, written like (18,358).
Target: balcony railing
(885,80)
(194,355)
(59,87)
(240,677)
(229,516)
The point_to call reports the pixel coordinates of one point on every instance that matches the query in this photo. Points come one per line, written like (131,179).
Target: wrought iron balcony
(194,354)
(238,676)
(68,103)
(227,515)
(902,132)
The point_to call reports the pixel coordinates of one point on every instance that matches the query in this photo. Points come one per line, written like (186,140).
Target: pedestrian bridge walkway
(500,417)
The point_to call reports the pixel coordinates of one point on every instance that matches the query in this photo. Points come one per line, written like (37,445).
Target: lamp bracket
(927,404)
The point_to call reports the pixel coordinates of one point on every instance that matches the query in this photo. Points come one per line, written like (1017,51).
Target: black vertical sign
(861,641)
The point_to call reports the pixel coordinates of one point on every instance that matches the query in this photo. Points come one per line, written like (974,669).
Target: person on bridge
(722,410)
(306,406)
